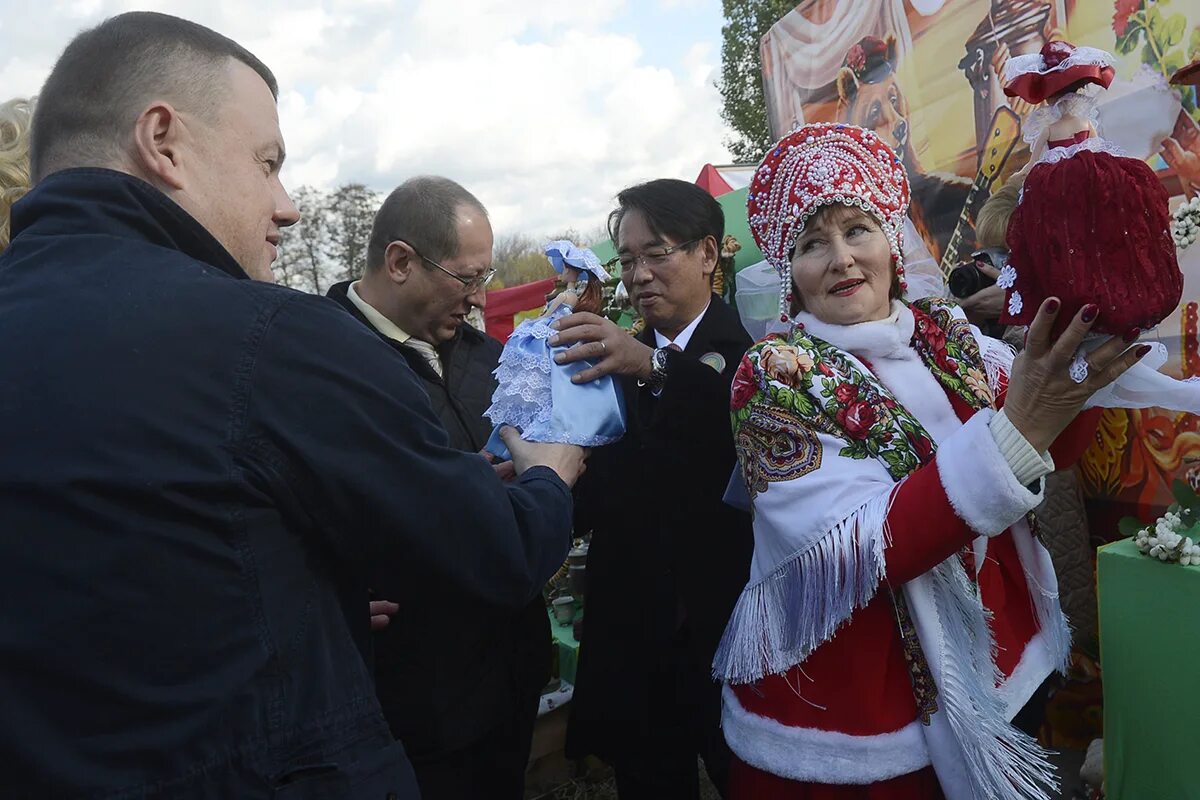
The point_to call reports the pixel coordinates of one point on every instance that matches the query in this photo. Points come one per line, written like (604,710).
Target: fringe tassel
(1003,763)
(782,618)
(997,361)
(1052,621)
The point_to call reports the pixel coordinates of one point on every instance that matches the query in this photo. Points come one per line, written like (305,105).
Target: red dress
(1092,227)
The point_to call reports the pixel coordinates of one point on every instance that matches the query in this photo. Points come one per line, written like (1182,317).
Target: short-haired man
(668,558)
(198,482)
(459,685)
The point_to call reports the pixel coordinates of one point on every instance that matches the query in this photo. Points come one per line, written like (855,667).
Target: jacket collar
(340,294)
(90,201)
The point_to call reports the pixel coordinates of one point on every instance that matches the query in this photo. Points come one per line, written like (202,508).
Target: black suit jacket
(668,558)
(446,672)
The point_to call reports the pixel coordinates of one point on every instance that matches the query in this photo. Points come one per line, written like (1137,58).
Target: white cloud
(538,107)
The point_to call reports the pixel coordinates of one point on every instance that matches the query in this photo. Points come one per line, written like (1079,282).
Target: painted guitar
(1005,133)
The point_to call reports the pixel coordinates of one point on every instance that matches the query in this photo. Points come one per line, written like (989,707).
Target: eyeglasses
(656,257)
(470,285)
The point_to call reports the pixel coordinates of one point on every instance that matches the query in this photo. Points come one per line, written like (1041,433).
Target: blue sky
(543,108)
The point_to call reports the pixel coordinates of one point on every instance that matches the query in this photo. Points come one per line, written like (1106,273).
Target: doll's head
(588,291)
(581,272)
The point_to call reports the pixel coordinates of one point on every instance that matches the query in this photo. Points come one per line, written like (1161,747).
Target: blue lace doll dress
(536,395)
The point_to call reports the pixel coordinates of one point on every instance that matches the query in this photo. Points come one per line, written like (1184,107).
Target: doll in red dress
(1092,225)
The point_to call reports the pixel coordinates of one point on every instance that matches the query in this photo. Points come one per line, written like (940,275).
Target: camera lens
(965,281)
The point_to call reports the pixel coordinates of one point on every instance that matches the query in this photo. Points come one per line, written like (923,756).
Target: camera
(966,279)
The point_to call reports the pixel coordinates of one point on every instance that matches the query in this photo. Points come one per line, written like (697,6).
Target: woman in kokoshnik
(900,610)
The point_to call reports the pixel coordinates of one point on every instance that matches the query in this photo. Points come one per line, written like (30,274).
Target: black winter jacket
(200,477)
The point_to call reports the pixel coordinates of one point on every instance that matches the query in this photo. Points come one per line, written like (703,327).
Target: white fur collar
(890,337)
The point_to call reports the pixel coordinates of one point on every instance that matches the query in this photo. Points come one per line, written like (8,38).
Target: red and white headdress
(1055,69)
(816,166)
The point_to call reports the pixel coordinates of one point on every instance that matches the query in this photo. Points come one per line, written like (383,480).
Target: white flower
(1007,277)
(1015,304)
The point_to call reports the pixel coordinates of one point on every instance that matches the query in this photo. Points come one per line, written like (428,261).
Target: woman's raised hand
(1043,397)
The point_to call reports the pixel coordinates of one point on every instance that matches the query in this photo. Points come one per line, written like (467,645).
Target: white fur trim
(881,338)
(979,482)
(811,754)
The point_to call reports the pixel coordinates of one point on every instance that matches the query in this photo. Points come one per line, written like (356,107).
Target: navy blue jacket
(200,477)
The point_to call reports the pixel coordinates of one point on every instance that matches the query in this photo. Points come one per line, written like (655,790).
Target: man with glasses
(459,686)
(668,558)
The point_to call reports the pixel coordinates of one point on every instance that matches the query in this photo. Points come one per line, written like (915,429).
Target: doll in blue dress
(536,395)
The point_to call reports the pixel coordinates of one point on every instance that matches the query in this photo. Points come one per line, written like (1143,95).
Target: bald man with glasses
(459,687)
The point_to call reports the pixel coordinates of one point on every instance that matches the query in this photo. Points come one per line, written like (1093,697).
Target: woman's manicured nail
(1131,335)
(1090,312)
(554,339)
(1052,305)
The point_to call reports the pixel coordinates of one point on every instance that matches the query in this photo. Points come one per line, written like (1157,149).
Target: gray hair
(422,211)
(107,75)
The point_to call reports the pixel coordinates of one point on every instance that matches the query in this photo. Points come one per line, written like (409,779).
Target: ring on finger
(603,347)
(1079,369)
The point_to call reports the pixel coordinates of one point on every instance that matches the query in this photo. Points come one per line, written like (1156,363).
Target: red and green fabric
(507,308)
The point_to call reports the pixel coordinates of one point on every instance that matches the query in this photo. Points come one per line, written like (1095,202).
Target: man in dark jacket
(668,558)
(459,685)
(198,479)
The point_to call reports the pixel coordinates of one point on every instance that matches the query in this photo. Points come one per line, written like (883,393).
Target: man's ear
(159,137)
(712,254)
(399,260)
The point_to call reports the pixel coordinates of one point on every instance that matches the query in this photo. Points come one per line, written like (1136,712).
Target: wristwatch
(658,370)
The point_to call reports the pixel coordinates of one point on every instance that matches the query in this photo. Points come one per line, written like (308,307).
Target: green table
(1149,653)
(568,648)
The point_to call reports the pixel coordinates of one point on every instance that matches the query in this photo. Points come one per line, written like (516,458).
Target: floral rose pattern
(945,343)
(784,363)
(744,386)
(798,386)
(857,419)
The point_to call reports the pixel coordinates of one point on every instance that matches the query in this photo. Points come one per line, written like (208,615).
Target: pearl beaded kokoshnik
(819,165)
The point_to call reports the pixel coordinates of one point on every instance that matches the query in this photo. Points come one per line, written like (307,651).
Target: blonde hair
(991,228)
(15,117)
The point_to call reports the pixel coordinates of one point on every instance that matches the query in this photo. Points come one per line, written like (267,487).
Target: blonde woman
(15,116)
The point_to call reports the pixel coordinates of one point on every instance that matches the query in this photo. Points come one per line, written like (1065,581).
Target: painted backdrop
(924,75)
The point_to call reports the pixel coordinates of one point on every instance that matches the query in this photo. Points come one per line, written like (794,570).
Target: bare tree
(329,243)
(352,211)
(305,249)
(518,259)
